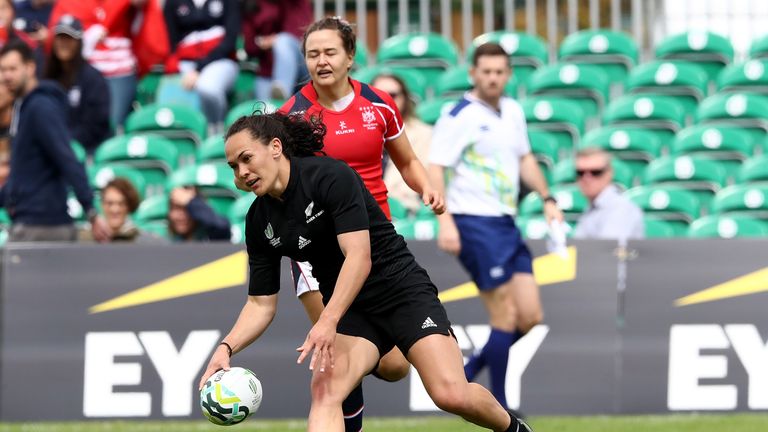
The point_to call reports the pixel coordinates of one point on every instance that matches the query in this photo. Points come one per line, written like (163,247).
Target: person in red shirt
(361,122)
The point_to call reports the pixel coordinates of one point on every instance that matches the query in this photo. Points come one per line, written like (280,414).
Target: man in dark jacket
(42,161)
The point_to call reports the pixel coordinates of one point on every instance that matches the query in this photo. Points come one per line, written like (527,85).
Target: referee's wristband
(549,198)
(229,348)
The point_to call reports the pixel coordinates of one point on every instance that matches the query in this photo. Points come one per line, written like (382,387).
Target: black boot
(517,424)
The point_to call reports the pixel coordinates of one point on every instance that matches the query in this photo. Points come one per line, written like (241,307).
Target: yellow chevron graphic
(547,269)
(222,400)
(226,272)
(751,283)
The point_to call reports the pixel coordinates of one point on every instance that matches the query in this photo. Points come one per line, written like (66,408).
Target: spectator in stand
(6,108)
(419,134)
(190,218)
(123,39)
(32,18)
(119,200)
(7,31)
(86,88)
(611,215)
(272,31)
(203,34)
(43,164)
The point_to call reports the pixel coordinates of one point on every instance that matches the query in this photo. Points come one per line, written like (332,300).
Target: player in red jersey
(361,122)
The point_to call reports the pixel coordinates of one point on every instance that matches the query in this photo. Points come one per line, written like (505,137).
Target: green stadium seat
(183,125)
(584,84)
(526,52)
(147,87)
(362,54)
(660,228)
(747,77)
(754,170)
(415,82)
(80,153)
(213,180)
(743,199)
(685,82)
(154,208)
(536,227)
(727,226)
(170,91)
(432,109)
(614,52)
(212,150)
(545,148)
(100,175)
(417,229)
(708,49)
(75,209)
(635,147)
(664,115)
(397,210)
(565,173)
(560,117)
(237,213)
(456,81)
(744,110)
(429,54)
(677,206)
(155,157)
(569,198)
(244,88)
(702,176)
(759,48)
(248,107)
(730,146)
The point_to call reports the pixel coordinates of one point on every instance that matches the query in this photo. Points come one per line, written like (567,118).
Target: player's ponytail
(300,137)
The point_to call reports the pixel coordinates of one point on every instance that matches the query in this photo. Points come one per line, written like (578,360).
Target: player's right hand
(448,239)
(219,361)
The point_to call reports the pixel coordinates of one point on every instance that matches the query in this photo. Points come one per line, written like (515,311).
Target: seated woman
(191,219)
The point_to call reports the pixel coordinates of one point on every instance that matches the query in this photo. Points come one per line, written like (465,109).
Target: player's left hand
(552,212)
(320,340)
(434,200)
(189,79)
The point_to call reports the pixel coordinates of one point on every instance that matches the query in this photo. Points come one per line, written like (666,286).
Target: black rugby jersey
(324,197)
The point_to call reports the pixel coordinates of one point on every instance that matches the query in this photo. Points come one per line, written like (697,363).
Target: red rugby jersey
(356,134)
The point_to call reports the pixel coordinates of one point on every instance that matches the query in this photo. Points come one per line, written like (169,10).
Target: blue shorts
(492,249)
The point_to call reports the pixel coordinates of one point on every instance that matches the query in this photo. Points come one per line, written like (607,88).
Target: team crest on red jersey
(369,117)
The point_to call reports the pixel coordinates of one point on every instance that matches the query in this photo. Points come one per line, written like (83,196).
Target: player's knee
(530,320)
(450,398)
(393,369)
(324,392)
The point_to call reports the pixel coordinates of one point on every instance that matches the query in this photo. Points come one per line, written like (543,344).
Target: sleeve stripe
(394,118)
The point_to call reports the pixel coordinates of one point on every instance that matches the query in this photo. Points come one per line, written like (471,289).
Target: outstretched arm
(413,172)
(254,319)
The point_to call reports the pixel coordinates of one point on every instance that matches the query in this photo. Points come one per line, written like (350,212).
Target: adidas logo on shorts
(428,323)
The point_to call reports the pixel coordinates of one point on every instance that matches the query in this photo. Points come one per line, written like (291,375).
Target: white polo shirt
(481,150)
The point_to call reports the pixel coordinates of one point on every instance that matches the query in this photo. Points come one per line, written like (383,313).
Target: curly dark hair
(300,136)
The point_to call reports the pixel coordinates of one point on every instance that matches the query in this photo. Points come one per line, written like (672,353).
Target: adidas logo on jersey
(303,242)
(428,323)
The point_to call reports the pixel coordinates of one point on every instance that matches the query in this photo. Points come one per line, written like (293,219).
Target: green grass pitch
(670,423)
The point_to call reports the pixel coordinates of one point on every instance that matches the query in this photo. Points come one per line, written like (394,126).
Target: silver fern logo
(269,232)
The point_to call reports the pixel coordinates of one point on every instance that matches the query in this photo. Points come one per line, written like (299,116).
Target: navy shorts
(492,249)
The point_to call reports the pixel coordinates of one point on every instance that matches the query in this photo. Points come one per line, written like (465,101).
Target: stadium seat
(212,150)
(708,49)
(247,108)
(743,199)
(456,81)
(748,77)
(635,147)
(155,157)
(182,125)
(561,117)
(660,228)
(526,52)
(569,198)
(565,173)
(152,209)
(727,226)
(702,176)
(754,170)
(100,175)
(170,91)
(432,109)
(545,147)
(75,209)
(429,54)
(536,227)
(614,52)
(236,217)
(244,88)
(662,115)
(79,150)
(416,83)
(584,84)
(744,110)
(730,146)
(362,55)
(685,82)
(147,87)
(396,209)
(677,206)
(214,181)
